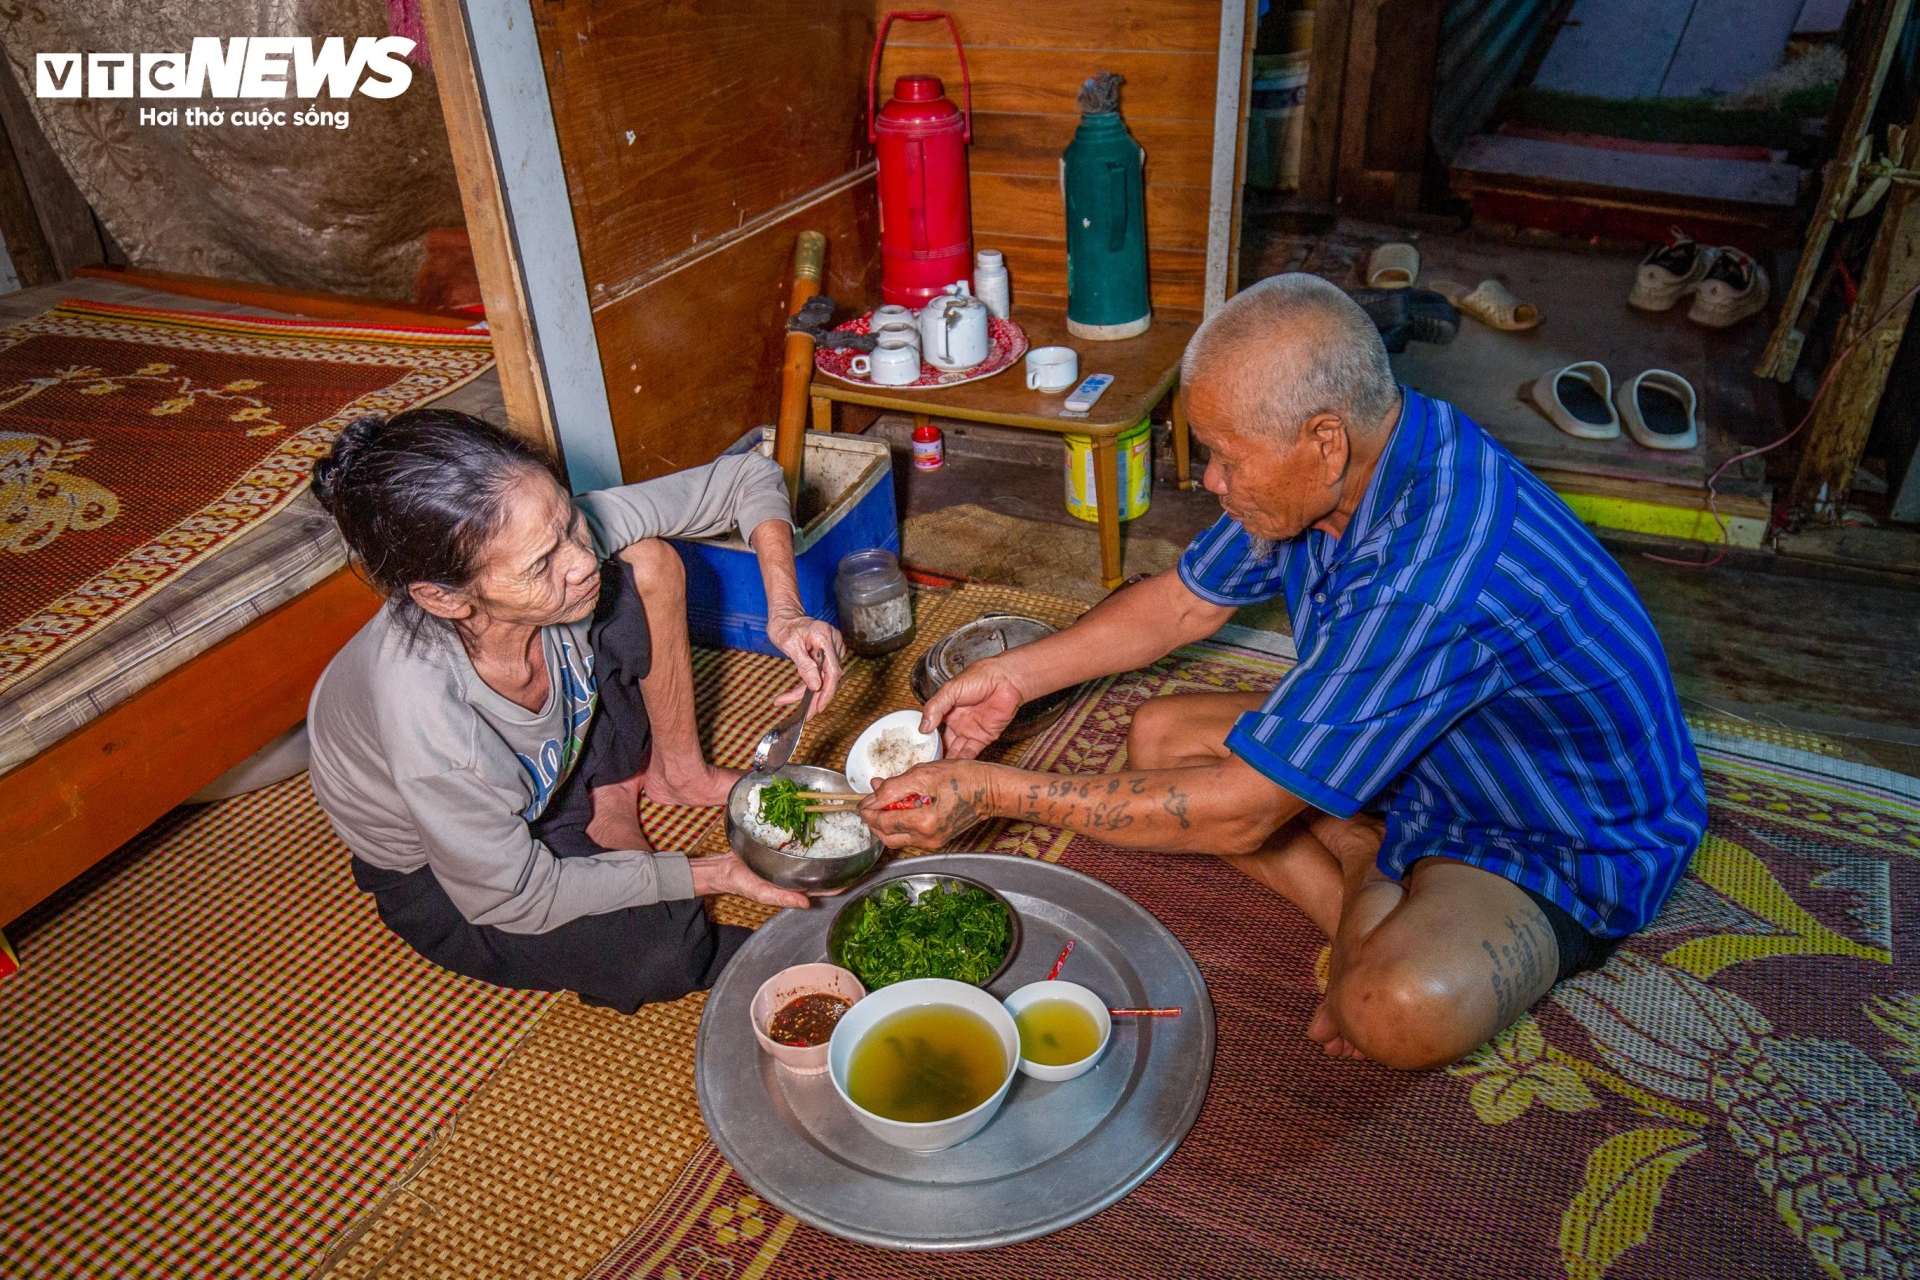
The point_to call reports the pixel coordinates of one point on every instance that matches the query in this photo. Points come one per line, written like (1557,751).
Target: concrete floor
(1581,290)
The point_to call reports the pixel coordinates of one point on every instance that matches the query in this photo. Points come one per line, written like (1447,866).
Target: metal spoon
(776,746)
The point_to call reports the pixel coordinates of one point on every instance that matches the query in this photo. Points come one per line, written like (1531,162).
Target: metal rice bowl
(918,884)
(792,870)
(986,637)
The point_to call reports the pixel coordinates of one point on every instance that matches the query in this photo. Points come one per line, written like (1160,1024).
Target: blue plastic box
(726,602)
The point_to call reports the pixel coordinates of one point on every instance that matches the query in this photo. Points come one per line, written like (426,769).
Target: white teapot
(953,330)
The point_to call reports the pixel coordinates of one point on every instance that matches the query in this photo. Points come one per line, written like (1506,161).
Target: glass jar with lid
(876,606)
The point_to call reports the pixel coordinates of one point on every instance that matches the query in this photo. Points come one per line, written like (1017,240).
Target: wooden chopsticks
(831,801)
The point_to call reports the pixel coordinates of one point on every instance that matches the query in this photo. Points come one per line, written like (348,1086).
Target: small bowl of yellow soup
(924,1064)
(1063,1029)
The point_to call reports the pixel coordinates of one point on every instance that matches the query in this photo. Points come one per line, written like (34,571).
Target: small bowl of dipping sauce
(1064,1028)
(795,1011)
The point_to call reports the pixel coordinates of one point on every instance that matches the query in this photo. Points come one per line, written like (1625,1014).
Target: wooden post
(796,372)
(27,245)
(1326,99)
(1106,492)
(1838,434)
(502,289)
(1182,441)
(1887,20)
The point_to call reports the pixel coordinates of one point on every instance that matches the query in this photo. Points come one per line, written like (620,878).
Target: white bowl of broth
(1063,1029)
(924,1064)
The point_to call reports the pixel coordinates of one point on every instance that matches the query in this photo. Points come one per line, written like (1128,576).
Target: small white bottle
(990,281)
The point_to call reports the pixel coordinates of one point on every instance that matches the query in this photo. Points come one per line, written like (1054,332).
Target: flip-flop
(1393,266)
(1491,304)
(1660,410)
(1578,399)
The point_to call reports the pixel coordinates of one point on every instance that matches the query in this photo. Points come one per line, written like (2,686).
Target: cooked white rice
(897,750)
(839,835)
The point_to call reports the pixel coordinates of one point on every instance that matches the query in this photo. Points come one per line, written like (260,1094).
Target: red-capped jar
(929,448)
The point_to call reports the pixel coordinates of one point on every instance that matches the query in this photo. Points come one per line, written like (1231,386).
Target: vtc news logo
(241,67)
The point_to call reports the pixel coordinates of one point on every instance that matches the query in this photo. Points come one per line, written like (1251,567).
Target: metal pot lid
(985,637)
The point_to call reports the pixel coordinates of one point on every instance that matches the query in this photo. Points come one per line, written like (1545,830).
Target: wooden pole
(1838,434)
(502,290)
(1865,75)
(796,374)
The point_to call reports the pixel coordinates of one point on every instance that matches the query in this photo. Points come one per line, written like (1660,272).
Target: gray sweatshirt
(419,764)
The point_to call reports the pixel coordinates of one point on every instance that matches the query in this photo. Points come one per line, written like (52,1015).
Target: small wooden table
(1144,369)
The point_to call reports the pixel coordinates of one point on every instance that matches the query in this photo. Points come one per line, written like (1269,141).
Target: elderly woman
(483,743)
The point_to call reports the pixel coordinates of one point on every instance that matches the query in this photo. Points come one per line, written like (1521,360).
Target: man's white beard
(1263,548)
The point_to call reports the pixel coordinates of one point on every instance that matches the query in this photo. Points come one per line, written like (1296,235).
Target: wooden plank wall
(1028,62)
(699,140)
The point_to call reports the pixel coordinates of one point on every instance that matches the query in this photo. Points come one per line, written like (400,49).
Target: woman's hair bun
(352,442)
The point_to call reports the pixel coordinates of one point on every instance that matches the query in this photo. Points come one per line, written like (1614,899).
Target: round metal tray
(1055,1153)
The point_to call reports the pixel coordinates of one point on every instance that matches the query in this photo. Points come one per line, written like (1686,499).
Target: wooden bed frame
(80,799)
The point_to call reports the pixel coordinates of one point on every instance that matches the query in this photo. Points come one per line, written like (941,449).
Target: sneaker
(1670,273)
(1735,288)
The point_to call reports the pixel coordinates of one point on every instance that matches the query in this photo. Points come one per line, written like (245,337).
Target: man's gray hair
(1290,347)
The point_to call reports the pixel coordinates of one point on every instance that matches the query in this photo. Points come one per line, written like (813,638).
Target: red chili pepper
(907,802)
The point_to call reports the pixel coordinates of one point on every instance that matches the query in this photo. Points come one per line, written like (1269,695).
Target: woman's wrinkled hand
(818,654)
(726,873)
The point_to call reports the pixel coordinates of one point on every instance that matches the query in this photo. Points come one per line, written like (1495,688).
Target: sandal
(1659,409)
(1491,304)
(1578,399)
(1393,266)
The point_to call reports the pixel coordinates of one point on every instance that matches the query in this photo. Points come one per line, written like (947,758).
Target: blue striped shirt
(1477,669)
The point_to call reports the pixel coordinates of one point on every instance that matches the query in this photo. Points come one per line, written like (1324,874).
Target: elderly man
(1476,781)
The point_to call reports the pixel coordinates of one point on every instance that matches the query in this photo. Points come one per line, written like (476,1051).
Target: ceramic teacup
(891,313)
(1052,368)
(905,330)
(894,362)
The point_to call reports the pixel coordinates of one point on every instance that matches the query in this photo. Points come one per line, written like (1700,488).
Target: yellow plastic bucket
(1135,449)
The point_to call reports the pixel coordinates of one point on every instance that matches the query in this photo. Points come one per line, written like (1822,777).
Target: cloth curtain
(341,210)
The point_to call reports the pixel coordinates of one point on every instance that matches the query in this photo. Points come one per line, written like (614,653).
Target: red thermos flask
(926,215)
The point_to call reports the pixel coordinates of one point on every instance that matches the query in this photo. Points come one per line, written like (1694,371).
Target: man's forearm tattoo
(1100,804)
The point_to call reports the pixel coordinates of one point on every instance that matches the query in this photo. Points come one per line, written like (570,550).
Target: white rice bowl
(889,747)
(837,835)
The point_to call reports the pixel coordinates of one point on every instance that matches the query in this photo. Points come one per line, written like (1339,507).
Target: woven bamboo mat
(216,1057)
(577,1137)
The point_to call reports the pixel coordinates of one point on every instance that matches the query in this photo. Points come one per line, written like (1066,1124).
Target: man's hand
(725,873)
(975,706)
(817,651)
(961,791)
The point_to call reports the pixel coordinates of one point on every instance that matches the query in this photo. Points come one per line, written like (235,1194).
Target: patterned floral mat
(1729,1097)
(136,442)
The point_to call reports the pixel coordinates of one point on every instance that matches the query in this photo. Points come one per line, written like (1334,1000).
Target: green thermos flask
(1101,178)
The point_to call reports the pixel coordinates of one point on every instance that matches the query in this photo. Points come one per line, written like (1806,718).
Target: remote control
(1081,398)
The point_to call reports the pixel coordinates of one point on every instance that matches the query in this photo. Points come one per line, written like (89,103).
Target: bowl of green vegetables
(769,827)
(925,926)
